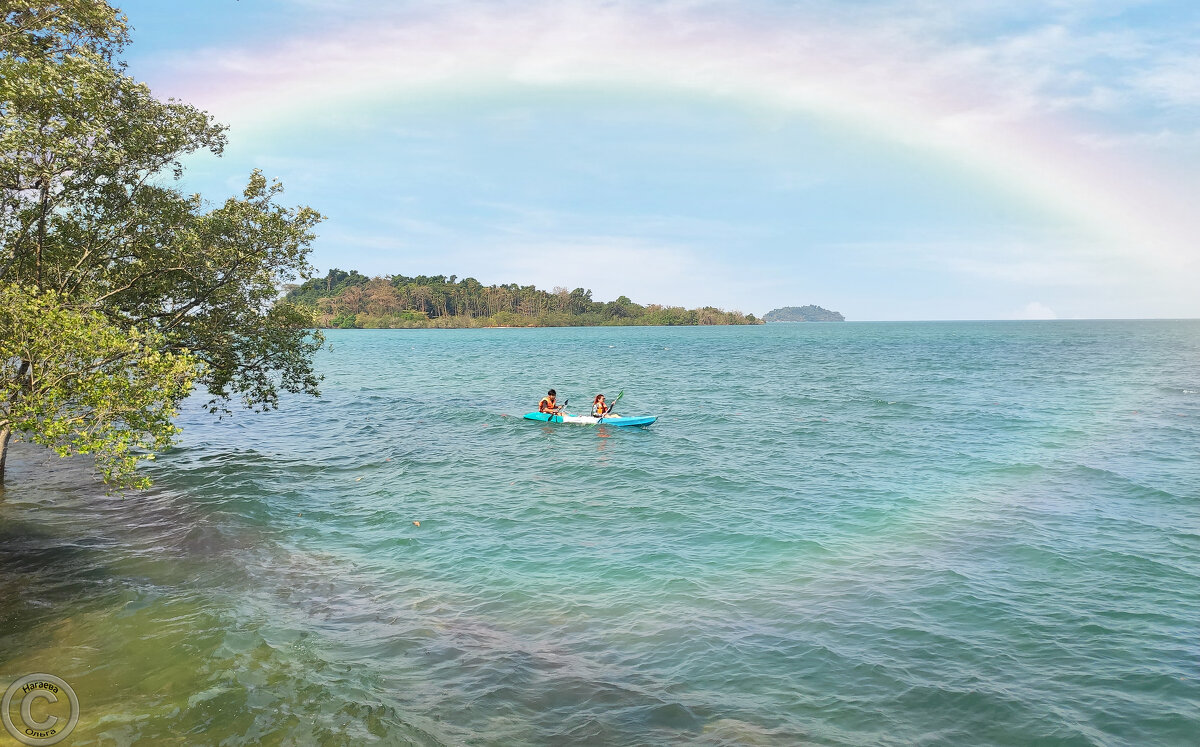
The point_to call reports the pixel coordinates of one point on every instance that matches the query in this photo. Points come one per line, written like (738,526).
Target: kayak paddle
(612,406)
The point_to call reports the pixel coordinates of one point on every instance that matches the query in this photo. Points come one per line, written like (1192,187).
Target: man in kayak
(549,405)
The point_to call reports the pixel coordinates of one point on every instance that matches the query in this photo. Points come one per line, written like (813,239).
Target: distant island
(803,314)
(350,300)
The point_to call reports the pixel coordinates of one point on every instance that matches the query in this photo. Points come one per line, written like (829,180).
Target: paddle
(561,409)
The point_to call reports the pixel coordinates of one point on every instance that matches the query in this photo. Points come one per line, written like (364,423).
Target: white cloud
(1050,56)
(1009,267)
(647,272)
(1167,139)
(1036,310)
(1029,258)
(1174,81)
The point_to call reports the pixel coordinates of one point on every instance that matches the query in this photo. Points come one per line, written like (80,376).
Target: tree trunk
(45,205)
(5,435)
(6,429)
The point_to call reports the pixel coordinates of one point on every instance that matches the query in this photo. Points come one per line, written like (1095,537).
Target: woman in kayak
(599,408)
(549,405)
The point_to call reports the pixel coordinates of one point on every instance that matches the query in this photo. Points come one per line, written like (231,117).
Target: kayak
(590,420)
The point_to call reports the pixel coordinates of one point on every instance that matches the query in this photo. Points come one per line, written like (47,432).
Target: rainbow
(871,82)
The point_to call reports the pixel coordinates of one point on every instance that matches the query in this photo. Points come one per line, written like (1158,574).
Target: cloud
(646,271)
(1036,310)
(1023,258)
(1185,140)
(1173,81)
(971,61)
(1009,267)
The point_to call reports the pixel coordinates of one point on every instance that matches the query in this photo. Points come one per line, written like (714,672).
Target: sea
(939,533)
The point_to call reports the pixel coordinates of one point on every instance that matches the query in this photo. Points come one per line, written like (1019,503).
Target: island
(803,314)
(351,300)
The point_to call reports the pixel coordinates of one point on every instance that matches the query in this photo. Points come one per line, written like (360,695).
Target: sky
(888,159)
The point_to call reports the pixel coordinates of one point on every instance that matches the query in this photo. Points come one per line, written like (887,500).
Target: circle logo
(51,728)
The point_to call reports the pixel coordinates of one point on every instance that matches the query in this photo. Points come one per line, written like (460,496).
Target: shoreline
(538,326)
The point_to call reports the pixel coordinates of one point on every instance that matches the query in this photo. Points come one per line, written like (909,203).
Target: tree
(120,292)
(79,384)
(334,282)
(380,297)
(579,301)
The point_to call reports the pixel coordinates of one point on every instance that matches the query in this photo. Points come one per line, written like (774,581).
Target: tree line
(351,300)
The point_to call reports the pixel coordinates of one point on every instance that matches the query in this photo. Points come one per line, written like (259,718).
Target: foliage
(82,385)
(55,29)
(95,239)
(803,314)
(334,282)
(348,299)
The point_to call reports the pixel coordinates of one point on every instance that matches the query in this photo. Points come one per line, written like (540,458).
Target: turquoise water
(936,533)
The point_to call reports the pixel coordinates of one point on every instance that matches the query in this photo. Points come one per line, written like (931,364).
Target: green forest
(350,300)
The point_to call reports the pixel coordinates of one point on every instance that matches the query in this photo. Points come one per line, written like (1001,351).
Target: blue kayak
(589,420)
